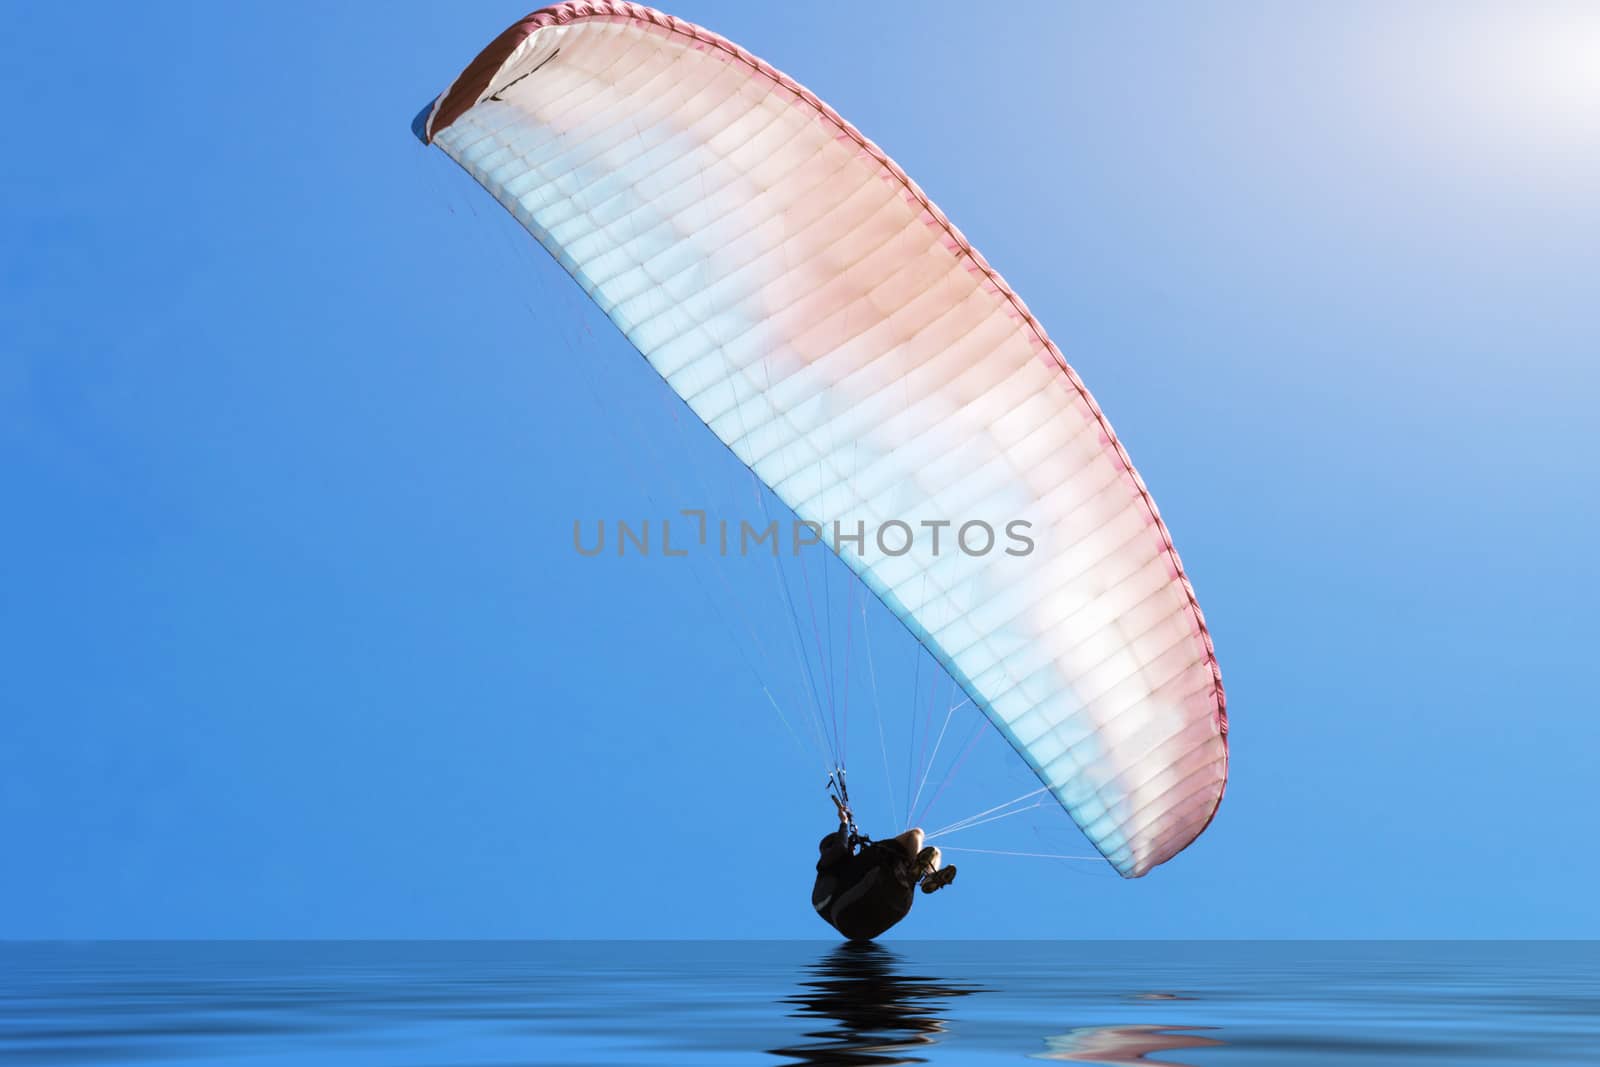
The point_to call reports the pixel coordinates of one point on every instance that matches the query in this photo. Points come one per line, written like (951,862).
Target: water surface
(432,1004)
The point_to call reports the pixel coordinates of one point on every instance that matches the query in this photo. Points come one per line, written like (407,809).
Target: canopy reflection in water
(1124,1044)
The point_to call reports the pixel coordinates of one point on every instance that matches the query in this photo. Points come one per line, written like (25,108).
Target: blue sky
(294,426)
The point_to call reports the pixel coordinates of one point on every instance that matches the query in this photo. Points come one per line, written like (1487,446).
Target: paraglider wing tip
(419,125)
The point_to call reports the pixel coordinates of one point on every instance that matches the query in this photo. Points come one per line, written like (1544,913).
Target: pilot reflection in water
(876,1011)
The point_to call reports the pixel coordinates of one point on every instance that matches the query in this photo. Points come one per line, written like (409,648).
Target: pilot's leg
(910,842)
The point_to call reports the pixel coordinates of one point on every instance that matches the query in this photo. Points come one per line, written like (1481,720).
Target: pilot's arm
(835,848)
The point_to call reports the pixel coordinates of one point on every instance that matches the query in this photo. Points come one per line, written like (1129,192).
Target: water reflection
(1124,1044)
(484,1004)
(878,1014)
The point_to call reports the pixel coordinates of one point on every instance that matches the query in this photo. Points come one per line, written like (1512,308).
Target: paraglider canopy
(833,328)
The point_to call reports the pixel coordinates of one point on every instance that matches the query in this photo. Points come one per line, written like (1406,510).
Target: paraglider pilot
(863,886)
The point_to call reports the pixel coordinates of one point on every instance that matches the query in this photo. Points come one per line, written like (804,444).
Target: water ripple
(430,1004)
